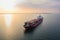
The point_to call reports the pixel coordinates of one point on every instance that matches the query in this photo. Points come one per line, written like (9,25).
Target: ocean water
(11,27)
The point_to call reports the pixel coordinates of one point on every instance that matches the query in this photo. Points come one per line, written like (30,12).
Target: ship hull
(32,26)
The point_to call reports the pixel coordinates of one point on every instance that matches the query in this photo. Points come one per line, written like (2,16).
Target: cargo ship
(33,23)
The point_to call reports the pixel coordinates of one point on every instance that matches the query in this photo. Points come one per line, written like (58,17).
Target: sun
(8,4)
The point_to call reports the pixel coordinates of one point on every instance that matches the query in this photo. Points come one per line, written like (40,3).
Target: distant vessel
(33,23)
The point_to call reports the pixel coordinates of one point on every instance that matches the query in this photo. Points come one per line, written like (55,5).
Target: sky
(29,6)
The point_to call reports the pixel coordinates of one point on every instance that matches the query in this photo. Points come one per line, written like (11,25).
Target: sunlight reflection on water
(8,19)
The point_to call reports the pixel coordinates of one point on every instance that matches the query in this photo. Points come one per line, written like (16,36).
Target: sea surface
(11,27)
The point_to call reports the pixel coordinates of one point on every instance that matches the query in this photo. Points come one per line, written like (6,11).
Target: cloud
(38,5)
(47,5)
